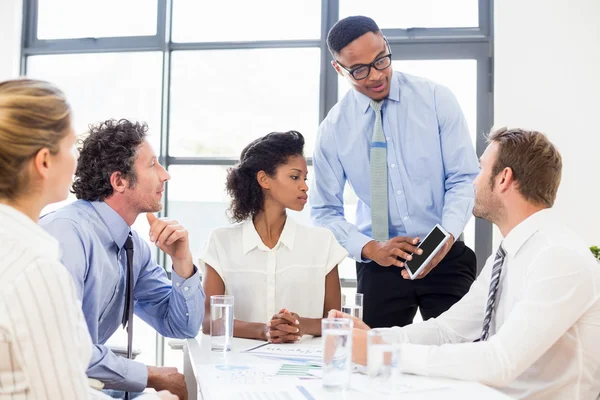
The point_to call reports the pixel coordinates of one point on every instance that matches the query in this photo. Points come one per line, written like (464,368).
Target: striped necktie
(379,178)
(494,283)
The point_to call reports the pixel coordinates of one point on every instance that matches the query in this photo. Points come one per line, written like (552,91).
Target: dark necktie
(494,283)
(128,312)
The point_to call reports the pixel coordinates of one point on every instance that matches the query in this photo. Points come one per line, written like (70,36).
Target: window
(209,77)
(106,85)
(404,14)
(94,19)
(221,100)
(197,21)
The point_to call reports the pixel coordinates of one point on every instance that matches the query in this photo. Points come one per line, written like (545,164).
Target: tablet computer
(433,242)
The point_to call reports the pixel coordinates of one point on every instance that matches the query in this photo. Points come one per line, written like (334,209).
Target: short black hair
(347,30)
(111,146)
(264,154)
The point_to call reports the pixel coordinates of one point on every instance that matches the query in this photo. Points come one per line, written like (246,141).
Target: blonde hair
(33,115)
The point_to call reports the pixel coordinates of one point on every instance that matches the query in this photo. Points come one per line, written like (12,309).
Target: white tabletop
(198,356)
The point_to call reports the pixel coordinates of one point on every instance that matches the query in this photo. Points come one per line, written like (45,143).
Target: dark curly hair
(264,154)
(347,30)
(111,146)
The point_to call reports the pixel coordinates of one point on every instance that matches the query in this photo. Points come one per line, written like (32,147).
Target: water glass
(221,323)
(337,352)
(383,350)
(353,305)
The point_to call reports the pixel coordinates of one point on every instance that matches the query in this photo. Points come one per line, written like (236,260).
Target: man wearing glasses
(403,145)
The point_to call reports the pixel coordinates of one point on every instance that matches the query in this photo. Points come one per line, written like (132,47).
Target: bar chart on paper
(301,353)
(256,381)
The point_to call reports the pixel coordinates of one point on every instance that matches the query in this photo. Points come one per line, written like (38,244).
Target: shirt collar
(116,225)
(364,101)
(252,240)
(20,225)
(519,235)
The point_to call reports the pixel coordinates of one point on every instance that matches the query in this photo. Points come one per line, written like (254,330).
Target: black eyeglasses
(362,71)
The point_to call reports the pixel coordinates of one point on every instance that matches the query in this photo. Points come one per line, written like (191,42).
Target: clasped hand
(285,327)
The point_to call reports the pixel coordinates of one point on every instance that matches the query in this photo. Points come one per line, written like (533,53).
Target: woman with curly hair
(268,262)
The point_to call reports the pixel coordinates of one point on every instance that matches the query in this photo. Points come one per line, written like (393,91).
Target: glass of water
(221,322)
(353,305)
(383,349)
(337,352)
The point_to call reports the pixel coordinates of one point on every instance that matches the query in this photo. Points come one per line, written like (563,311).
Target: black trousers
(390,300)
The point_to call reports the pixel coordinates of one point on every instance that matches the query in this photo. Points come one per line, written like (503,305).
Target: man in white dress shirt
(530,324)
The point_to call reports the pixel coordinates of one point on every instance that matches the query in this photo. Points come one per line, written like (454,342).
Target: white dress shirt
(545,333)
(291,275)
(45,347)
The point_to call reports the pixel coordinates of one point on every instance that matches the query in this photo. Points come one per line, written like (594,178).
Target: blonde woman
(45,346)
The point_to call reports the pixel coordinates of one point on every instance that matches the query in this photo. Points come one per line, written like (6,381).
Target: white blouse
(263,280)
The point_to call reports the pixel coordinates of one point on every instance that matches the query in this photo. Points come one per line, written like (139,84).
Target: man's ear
(118,182)
(337,67)
(506,179)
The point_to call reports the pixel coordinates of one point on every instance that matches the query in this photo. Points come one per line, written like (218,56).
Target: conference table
(239,374)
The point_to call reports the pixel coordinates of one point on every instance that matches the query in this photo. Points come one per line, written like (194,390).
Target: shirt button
(393,165)
(399,192)
(187,314)
(387,138)
(178,284)
(186,288)
(406,218)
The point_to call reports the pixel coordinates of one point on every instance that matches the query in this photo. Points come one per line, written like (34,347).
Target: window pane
(460,76)
(245,20)
(197,199)
(68,19)
(223,99)
(103,86)
(403,14)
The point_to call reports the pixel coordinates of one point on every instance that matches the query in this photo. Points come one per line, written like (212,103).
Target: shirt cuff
(186,287)
(454,227)
(137,377)
(356,242)
(413,358)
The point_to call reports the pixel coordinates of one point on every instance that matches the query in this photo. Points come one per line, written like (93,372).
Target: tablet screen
(428,246)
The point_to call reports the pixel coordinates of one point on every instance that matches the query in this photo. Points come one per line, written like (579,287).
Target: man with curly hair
(118,177)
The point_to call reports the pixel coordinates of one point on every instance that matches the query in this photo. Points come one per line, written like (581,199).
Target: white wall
(11,15)
(547,78)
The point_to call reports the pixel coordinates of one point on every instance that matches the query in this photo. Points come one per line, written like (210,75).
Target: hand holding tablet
(432,244)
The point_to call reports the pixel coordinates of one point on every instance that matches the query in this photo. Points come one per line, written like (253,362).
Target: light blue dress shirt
(91,236)
(431,163)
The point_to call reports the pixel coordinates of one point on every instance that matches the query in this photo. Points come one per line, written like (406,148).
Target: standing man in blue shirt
(118,177)
(411,136)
